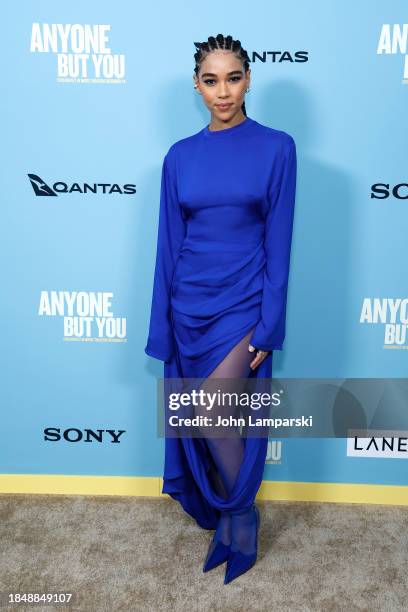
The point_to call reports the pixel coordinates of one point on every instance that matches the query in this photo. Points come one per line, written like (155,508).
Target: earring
(246,91)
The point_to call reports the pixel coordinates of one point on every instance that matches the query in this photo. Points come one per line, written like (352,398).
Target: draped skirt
(187,461)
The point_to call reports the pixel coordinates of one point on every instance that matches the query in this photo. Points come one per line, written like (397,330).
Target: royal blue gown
(222,265)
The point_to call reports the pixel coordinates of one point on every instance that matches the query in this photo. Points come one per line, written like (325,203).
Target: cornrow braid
(220,42)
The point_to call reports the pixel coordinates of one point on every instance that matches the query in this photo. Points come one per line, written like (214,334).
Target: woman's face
(222,82)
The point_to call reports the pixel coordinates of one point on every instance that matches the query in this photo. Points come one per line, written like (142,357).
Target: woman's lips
(223,106)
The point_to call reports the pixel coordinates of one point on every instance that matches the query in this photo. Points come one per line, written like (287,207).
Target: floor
(132,553)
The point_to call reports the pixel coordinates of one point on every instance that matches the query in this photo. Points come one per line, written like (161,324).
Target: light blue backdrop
(346,109)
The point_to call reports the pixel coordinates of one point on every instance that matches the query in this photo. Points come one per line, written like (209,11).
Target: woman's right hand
(259,357)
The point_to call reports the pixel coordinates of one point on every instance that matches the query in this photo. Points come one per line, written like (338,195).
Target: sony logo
(73,434)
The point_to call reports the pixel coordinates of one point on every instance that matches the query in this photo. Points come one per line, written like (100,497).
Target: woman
(220,285)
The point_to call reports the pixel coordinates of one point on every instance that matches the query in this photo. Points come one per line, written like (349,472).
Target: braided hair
(221,42)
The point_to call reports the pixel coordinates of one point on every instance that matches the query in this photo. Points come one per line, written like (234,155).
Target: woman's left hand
(260,356)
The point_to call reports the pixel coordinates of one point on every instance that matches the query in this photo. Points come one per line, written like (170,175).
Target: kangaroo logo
(40,187)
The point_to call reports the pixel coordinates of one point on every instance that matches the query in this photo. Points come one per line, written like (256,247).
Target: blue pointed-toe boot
(244,543)
(219,548)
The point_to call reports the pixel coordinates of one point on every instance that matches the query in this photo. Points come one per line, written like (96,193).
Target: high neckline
(227,131)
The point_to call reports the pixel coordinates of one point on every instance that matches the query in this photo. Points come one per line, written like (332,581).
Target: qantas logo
(41,188)
(277,57)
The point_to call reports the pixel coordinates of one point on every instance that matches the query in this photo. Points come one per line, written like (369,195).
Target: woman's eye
(210,81)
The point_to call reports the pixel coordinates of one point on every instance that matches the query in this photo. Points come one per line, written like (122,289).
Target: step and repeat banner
(93,97)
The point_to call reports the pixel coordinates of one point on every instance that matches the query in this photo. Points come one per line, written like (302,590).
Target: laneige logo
(390,448)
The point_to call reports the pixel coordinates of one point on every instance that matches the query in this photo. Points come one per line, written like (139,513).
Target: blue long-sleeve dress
(222,265)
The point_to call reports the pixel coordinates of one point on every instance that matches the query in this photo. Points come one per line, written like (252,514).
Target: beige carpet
(129,553)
